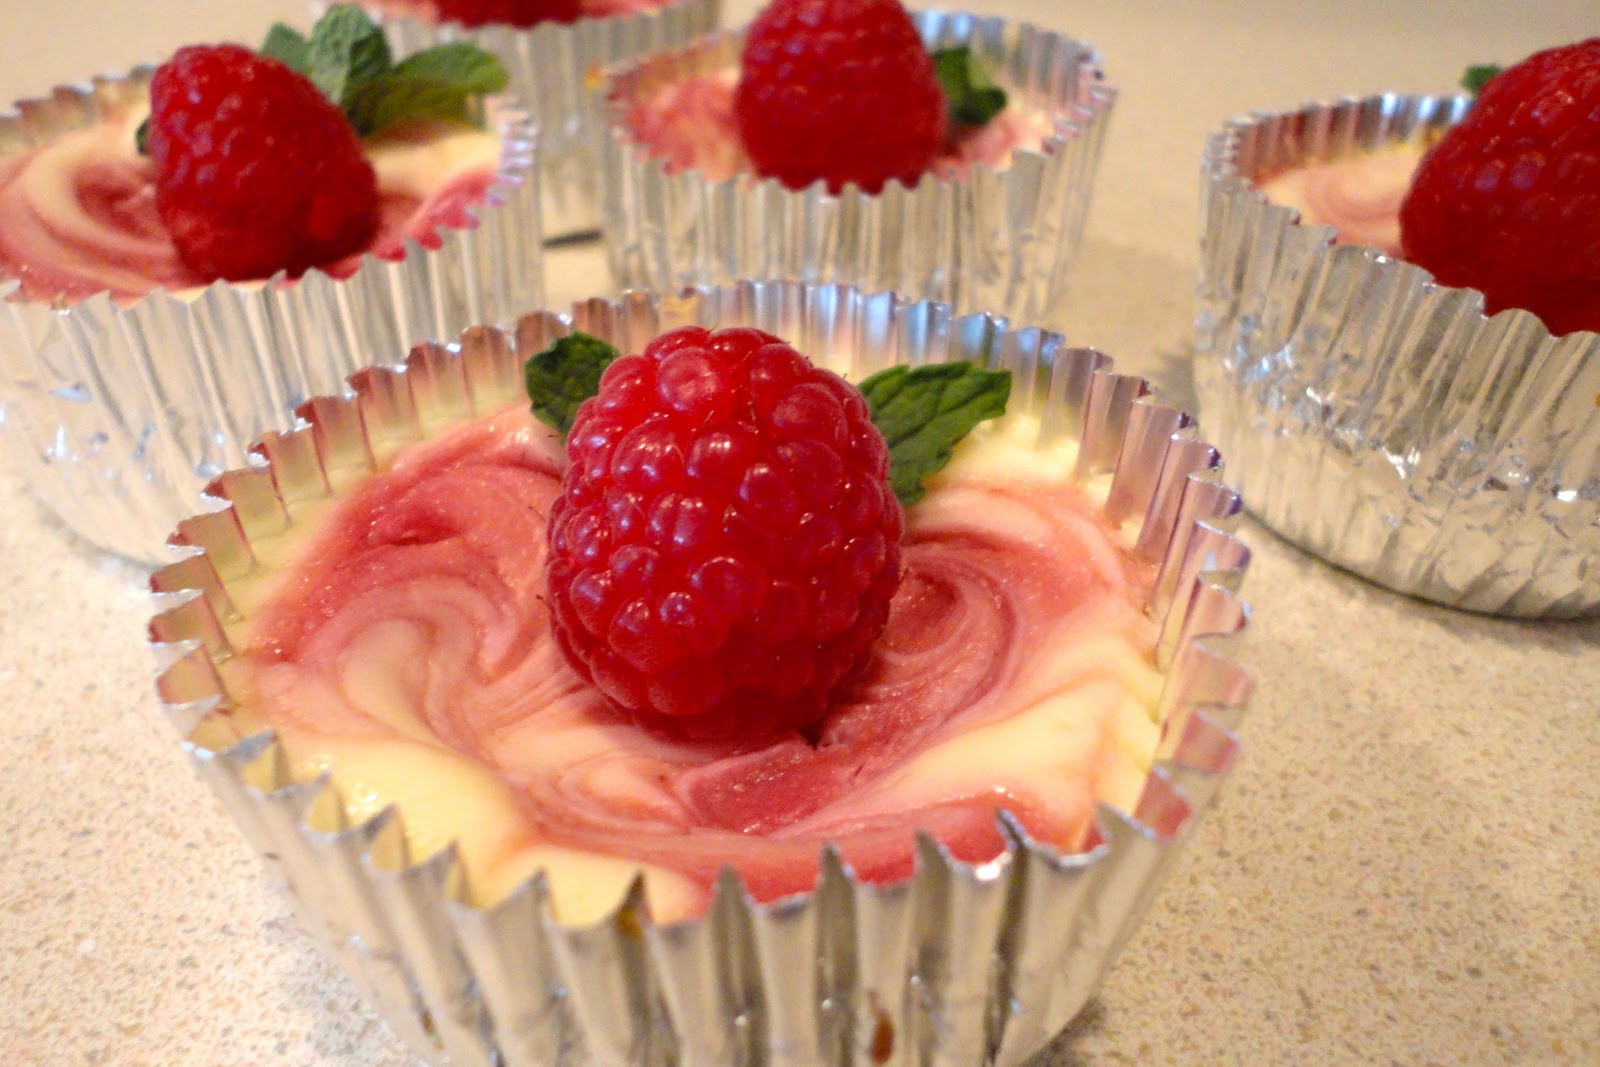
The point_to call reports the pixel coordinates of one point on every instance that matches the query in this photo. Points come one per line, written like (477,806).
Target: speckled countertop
(1402,870)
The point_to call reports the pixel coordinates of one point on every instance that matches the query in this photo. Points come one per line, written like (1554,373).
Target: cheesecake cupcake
(162,308)
(954,162)
(554,50)
(1372,414)
(517,805)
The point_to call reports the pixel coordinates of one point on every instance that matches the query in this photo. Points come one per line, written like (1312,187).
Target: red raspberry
(1508,201)
(520,13)
(257,171)
(726,541)
(841,90)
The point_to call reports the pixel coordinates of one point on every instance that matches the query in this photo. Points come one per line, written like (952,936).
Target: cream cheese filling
(1086,732)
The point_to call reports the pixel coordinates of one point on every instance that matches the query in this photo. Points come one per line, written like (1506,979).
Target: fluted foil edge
(554,66)
(957,964)
(1002,241)
(1376,418)
(116,415)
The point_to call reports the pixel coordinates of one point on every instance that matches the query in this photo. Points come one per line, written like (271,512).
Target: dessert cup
(553,68)
(997,239)
(117,409)
(957,963)
(1378,419)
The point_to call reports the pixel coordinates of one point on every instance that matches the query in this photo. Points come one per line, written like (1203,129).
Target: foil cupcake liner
(997,240)
(553,67)
(956,964)
(116,414)
(1378,419)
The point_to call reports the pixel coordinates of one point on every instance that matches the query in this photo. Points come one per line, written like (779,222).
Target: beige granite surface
(1402,870)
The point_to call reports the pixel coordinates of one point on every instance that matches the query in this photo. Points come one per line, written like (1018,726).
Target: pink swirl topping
(690,126)
(1013,674)
(80,216)
(1359,196)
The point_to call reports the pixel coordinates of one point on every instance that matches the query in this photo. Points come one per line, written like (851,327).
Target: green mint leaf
(141,137)
(924,412)
(437,84)
(346,49)
(391,98)
(970,94)
(288,47)
(1477,77)
(564,375)
(461,64)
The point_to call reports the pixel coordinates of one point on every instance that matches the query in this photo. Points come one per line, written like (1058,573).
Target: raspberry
(726,542)
(520,13)
(841,90)
(256,170)
(1508,201)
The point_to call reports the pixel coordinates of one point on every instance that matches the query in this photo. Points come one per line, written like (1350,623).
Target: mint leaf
(436,84)
(390,98)
(460,64)
(1477,77)
(346,49)
(924,412)
(970,94)
(564,375)
(288,47)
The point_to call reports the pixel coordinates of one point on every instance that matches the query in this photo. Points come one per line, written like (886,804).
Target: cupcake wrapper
(999,241)
(1376,418)
(553,67)
(957,964)
(116,415)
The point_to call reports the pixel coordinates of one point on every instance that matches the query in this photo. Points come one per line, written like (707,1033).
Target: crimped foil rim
(552,65)
(1060,75)
(156,374)
(817,977)
(1263,309)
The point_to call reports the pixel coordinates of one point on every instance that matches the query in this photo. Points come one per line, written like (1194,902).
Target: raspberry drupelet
(726,542)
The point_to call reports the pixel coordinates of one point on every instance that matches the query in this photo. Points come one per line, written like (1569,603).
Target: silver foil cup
(554,67)
(996,240)
(956,964)
(1378,419)
(117,413)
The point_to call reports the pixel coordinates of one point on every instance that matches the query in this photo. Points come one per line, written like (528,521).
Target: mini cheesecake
(993,226)
(470,825)
(128,381)
(80,217)
(1370,415)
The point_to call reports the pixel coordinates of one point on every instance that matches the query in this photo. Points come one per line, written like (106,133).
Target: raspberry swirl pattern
(690,126)
(1359,195)
(81,215)
(407,649)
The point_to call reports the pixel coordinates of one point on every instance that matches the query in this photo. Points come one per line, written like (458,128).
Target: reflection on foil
(1379,420)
